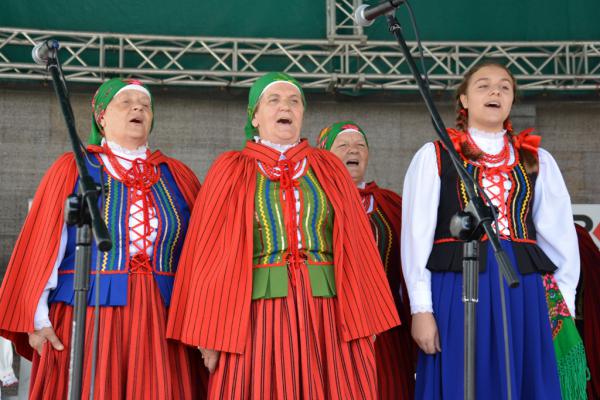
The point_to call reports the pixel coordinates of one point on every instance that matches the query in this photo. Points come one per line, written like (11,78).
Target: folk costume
(395,350)
(536,228)
(590,267)
(146,202)
(281,275)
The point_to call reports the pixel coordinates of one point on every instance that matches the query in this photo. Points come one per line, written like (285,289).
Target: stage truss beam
(330,64)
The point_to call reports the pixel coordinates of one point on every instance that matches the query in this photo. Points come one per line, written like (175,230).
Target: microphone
(41,52)
(365,14)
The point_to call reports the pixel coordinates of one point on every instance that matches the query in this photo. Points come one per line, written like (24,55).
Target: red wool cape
(590,267)
(37,247)
(211,299)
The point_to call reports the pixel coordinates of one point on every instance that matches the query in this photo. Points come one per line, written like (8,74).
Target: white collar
(486,135)
(282,148)
(121,151)
(489,142)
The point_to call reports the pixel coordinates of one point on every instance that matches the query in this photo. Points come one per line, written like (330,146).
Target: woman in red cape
(395,350)
(280,283)
(146,202)
(590,268)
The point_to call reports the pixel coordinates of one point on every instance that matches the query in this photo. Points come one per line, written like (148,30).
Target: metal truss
(335,64)
(340,20)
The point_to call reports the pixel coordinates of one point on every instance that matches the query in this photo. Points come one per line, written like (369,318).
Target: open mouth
(352,163)
(284,121)
(136,120)
(492,104)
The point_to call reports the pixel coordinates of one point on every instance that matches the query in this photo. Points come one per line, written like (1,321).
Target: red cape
(212,294)
(37,246)
(590,268)
(391,205)
(396,351)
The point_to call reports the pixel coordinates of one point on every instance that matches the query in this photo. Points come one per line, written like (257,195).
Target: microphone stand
(82,210)
(479,221)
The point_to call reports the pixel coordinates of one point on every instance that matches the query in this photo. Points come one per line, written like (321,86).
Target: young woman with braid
(536,228)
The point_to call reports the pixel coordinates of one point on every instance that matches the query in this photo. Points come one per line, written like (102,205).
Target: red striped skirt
(134,359)
(396,364)
(294,351)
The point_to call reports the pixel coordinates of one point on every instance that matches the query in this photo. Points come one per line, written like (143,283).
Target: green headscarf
(257,90)
(328,134)
(103,97)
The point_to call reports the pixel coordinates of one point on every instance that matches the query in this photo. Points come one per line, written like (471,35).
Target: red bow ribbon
(140,264)
(458,138)
(489,171)
(141,175)
(526,141)
(286,178)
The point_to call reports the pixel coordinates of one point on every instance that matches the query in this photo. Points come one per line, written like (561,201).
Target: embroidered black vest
(446,254)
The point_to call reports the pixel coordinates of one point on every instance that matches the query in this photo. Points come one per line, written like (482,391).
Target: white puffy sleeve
(553,220)
(41,318)
(420,200)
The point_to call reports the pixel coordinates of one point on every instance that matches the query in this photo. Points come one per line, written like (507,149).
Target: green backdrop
(480,20)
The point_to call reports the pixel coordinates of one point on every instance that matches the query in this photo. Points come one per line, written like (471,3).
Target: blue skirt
(533,362)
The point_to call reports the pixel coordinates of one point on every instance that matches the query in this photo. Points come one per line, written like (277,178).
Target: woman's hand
(424,331)
(211,358)
(41,336)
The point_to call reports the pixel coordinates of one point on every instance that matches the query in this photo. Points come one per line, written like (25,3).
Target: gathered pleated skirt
(134,358)
(294,351)
(395,359)
(532,359)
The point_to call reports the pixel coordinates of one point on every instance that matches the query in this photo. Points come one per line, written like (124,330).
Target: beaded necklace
(491,159)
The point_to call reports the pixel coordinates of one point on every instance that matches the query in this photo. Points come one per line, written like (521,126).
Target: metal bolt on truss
(335,64)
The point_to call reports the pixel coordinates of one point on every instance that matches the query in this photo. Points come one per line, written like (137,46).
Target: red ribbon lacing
(138,179)
(284,172)
(495,171)
(497,174)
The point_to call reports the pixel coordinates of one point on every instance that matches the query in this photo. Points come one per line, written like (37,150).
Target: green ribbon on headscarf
(257,90)
(103,97)
(327,135)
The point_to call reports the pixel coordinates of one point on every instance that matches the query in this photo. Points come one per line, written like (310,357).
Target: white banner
(588,216)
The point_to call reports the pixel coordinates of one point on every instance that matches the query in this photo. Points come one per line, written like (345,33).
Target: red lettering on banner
(596,232)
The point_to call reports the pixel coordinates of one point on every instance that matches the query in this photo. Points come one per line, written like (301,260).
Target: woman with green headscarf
(280,284)
(395,352)
(146,203)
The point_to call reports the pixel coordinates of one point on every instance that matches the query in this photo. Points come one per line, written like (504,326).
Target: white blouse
(552,217)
